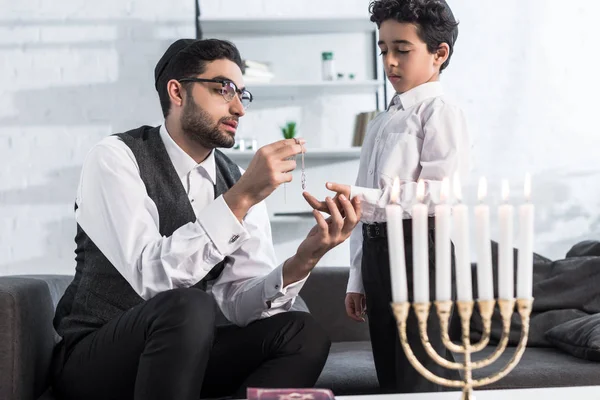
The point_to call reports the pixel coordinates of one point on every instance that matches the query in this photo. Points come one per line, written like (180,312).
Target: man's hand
(324,236)
(356,306)
(334,187)
(270,167)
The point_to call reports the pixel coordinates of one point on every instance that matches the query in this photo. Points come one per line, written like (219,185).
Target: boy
(422,135)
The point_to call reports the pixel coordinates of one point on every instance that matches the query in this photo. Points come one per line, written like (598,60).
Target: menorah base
(465,310)
(467,394)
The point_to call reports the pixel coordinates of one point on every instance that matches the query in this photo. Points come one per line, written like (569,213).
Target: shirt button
(277,287)
(370,172)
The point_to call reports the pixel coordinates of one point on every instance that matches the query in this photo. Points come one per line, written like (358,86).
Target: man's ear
(441,54)
(175,91)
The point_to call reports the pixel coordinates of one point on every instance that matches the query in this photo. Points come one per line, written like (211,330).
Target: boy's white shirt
(422,135)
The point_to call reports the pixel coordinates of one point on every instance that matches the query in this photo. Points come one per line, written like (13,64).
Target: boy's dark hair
(187,58)
(433,18)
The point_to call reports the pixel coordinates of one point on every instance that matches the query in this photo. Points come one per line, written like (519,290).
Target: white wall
(73,72)
(525,73)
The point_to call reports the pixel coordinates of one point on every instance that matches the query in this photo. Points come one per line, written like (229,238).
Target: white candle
(443,265)
(395,236)
(506,289)
(485,277)
(420,213)
(525,261)
(464,286)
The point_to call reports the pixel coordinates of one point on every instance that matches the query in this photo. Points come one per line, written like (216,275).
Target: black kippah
(171,52)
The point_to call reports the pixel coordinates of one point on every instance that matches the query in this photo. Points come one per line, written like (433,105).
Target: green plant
(289,130)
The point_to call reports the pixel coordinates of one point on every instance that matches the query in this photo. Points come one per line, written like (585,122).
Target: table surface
(572,393)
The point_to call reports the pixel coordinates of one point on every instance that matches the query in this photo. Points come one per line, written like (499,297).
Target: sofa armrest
(324,293)
(27,337)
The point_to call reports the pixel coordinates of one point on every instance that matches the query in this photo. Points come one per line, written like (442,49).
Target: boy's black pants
(394,371)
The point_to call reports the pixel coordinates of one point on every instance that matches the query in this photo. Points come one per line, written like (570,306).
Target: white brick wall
(72,72)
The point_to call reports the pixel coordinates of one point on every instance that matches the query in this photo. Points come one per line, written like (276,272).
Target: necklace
(303,178)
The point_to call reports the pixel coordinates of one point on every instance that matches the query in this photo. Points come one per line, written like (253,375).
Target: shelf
(285,26)
(296,217)
(305,89)
(350,153)
(290,220)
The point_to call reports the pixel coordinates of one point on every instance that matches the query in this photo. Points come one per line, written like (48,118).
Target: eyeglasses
(228,90)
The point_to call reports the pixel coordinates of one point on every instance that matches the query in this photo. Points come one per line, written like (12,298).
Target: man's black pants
(169,348)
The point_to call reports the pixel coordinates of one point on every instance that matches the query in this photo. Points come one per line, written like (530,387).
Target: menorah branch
(486,310)
(524,307)
(422,312)
(444,310)
(506,310)
(401,311)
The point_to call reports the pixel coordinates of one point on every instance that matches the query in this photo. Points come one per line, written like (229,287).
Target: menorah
(464,303)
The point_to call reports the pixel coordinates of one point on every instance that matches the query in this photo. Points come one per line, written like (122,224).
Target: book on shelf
(360,127)
(256,71)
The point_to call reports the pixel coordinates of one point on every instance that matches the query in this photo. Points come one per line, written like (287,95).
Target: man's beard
(196,125)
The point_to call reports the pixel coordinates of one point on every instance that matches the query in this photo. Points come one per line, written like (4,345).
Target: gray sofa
(27,338)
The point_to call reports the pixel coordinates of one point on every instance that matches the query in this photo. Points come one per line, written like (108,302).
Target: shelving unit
(305,96)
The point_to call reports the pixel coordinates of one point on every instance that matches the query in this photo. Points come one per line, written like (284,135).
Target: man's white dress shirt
(117,214)
(422,135)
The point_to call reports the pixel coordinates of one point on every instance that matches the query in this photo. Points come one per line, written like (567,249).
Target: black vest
(98,292)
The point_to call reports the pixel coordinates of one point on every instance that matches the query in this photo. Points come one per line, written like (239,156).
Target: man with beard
(161,213)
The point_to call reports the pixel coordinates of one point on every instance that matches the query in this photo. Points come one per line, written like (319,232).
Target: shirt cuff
(275,294)
(355,284)
(222,227)
(370,199)
(367,194)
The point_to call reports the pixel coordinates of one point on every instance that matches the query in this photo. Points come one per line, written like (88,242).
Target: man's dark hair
(187,58)
(433,18)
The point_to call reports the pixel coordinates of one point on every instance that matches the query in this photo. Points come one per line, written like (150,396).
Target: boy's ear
(441,54)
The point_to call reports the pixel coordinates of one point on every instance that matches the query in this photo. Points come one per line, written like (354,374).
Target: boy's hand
(356,306)
(334,187)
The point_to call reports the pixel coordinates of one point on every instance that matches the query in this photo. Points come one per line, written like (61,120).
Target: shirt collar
(395,102)
(182,161)
(417,95)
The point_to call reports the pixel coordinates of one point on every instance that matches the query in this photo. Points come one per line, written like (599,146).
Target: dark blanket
(563,290)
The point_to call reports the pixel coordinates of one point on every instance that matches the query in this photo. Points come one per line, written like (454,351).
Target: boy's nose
(390,61)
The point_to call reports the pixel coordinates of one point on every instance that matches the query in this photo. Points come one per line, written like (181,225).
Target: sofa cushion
(26,333)
(349,369)
(586,248)
(539,367)
(579,337)
(324,293)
